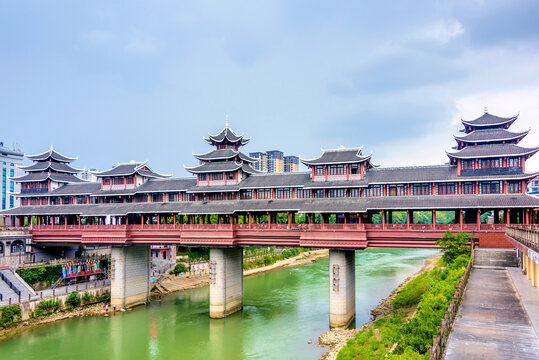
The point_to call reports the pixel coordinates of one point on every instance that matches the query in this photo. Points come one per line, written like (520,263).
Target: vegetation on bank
(9,316)
(270,259)
(179,268)
(417,310)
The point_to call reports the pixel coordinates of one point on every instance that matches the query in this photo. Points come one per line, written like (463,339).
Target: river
(283,310)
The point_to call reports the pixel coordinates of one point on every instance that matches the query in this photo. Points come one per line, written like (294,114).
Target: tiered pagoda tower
(489,148)
(49,171)
(226,165)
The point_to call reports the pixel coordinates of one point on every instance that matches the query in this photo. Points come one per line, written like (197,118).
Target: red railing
(295,227)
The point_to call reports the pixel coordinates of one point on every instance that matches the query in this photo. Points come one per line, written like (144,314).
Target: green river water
(283,310)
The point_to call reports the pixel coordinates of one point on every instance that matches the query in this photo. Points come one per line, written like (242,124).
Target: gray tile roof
(492,150)
(45,165)
(37,177)
(222,166)
(337,156)
(221,154)
(51,154)
(130,169)
(348,205)
(227,134)
(489,120)
(491,135)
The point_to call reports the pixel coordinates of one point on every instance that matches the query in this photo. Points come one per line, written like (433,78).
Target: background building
(291,163)
(274,161)
(533,187)
(9,159)
(88,175)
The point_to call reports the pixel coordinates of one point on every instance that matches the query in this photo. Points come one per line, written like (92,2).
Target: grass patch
(409,338)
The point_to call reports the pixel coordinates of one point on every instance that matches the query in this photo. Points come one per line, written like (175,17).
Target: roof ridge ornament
(486,110)
(226,121)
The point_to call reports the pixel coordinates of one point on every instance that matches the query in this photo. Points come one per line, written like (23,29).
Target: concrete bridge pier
(130,275)
(342,287)
(226,281)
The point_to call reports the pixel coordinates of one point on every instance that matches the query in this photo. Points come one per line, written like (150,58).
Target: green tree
(73,299)
(454,245)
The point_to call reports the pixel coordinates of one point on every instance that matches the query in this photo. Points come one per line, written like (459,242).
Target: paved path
(58,291)
(492,323)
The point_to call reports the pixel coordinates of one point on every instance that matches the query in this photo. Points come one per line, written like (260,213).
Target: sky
(118,81)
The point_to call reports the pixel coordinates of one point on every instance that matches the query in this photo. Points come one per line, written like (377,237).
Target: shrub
(179,268)
(73,299)
(454,245)
(86,298)
(10,315)
(268,260)
(47,307)
(412,293)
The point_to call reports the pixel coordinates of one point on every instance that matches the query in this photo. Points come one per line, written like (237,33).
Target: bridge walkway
(492,322)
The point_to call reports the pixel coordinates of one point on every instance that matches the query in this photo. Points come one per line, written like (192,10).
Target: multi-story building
(291,164)
(261,163)
(486,173)
(10,160)
(274,161)
(88,175)
(533,187)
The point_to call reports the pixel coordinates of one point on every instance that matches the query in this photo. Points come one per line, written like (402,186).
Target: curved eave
(249,170)
(530,152)
(517,136)
(50,153)
(503,121)
(196,169)
(204,157)
(313,162)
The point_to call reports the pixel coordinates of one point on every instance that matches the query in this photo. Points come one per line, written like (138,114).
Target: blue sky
(110,82)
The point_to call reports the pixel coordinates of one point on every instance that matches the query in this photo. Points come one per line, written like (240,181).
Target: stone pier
(130,275)
(226,281)
(342,288)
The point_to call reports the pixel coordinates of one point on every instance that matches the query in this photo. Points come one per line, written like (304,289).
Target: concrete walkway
(492,323)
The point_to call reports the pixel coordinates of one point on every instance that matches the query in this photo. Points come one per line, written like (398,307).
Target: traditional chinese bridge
(343,203)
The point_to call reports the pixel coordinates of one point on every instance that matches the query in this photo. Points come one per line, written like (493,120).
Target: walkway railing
(285,226)
(526,234)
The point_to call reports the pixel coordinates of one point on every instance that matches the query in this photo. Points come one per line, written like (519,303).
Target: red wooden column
(344,217)
(478,220)
(269,220)
(289,219)
(383,219)
(408,219)
(527,217)
(507,216)
(250,221)
(461,219)
(433,219)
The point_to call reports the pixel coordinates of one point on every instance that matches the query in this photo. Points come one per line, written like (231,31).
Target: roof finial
(226,121)
(486,109)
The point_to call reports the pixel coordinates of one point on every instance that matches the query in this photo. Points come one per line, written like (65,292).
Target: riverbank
(337,338)
(177,283)
(84,310)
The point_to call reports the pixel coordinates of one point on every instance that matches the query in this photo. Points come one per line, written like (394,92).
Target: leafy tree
(73,299)
(179,268)
(454,245)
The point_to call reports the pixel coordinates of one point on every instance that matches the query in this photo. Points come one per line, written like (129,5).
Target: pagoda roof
(46,165)
(338,156)
(226,134)
(223,154)
(51,154)
(492,150)
(222,166)
(487,119)
(344,205)
(42,176)
(126,169)
(486,135)
(247,168)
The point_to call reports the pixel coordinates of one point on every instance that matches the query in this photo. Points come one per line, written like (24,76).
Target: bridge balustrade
(526,234)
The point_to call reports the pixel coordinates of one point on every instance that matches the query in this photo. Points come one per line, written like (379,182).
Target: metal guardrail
(526,234)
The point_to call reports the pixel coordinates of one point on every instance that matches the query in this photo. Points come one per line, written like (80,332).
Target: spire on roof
(486,109)
(226,121)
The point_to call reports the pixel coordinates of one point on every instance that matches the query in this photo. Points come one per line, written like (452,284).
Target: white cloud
(98,37)
(443,31)
(142,45)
